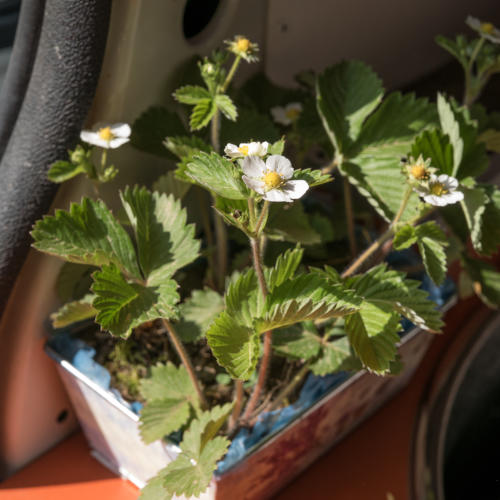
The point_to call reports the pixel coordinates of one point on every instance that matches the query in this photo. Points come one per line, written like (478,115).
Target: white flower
(288,114)
(486,30)
(109,136)
(246,149)
(440,191)
(271,178)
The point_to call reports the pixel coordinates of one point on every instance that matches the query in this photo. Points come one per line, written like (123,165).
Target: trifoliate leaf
(335,356)
(152,127)
(312,177)
(72,312)
(165,243)
(87,234)
(190,474)
(123,305)
(291,223)
(202,113)
(296,342)
(346,94)
(170,399)
(306,297)
(191,94)
(387,136)
(244,299)
(284,268)
(226,106)
(170,184)
(435,145)
(61,171)
(485,281)
(197,314)
(235,346)
(250,126)
(217,174)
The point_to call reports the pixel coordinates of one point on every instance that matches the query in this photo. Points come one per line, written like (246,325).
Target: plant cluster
(415,165)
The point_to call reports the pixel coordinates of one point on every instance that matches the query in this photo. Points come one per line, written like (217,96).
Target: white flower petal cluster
(288,114)
(246,149)
(272,178)
(108,136)
(441,190)
(486,30)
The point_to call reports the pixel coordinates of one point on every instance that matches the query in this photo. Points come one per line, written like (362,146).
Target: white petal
(253,166)
(255,184)
(120,129)
(473,22)
(437,201)
(281,165)
(454,197)
(232,151)
(116,143)
(279,115)
(277,195)
(257,148)
(296,189)
(88,136)
(293,106)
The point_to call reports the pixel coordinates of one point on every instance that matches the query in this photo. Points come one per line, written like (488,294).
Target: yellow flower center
(418,171)
(438,189)
(487,28)
(105,134)
(243,150)
(272,180)
(243,44)
(293,114)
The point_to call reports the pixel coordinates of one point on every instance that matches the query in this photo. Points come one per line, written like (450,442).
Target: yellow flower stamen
(243,44)
(419,171)
(105,134)
(243,150)
(438,189)
(487,28)
(292,114)
(272,180)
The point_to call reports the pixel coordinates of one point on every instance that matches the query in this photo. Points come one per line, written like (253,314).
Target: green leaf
(284,268)
(486,281)
(250,126)
(87,234)
(190,474)
(226,106)
(457,48)
(296,342)
(170,184)
(235,346)
(123,305)
(346,94)
(72,312)
(306,297)
(335,356)
(165,242)
(61,171)
(221,176)
(277,147)
(192,94)
(186,147)
(312,177)
(290,223)
(473,206)
(451,127)
(488,242)
(244,300)
(431,244)
(491,139)
(170,398)
(435,145)
(387,136)
(404,238)
(197,314)
(152,127)
(202,113)
(73,281)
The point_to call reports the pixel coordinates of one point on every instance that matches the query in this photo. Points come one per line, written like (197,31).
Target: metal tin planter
(112,429)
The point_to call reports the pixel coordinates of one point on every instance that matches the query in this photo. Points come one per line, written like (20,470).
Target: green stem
(222,250)
(104,159)
(207,229)
(266,355)
(350,218)
(469,95)
(231,73)
(262,217)
(381,239)
(251,212)
(186,361)
(238,405)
